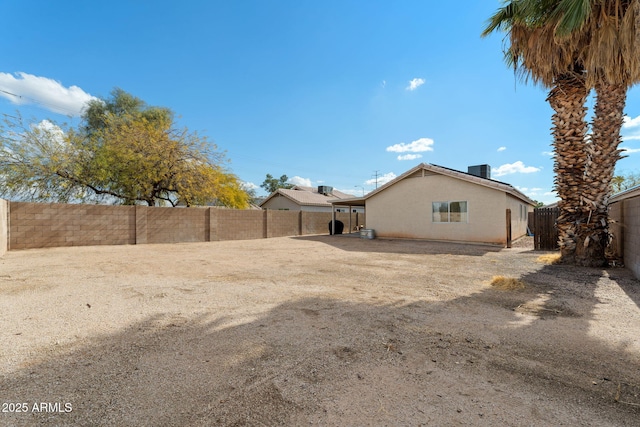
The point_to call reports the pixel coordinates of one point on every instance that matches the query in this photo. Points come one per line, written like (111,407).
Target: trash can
(339,227)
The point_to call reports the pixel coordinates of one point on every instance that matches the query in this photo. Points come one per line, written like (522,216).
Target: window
(524,212)
(449,212)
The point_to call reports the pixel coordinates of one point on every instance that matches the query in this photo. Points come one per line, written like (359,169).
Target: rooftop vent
(325,190)
(483,171)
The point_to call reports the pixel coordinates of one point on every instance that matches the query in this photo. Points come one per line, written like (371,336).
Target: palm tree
(535,55)
(572,46)
(612,61)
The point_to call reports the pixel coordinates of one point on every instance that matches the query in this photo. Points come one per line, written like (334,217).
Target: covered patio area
(355,221)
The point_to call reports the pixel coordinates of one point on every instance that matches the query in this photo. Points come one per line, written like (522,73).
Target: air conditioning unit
(483,171)
(325,190)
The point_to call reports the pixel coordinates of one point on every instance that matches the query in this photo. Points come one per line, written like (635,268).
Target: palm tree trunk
(568,99)
(602,150)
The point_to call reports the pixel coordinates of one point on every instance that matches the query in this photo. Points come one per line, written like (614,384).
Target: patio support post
(333,219)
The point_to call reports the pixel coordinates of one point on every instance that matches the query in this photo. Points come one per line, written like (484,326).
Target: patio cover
(357,202)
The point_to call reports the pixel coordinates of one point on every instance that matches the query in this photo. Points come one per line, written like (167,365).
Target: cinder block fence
(624,210)
(39,225)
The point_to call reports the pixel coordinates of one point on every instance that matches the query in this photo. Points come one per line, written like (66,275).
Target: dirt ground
(319,330)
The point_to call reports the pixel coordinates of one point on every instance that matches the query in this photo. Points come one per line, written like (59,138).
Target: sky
(344,93)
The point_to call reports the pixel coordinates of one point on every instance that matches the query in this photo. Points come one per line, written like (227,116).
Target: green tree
(572,46)
(130,154)
(121,104)
(626,181)
(272,184)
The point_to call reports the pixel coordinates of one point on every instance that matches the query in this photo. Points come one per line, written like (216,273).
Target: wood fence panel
(545,235)
(508,228)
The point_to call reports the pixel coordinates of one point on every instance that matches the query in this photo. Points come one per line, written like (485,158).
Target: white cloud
(630,150)
(51,130)
(501,149)
(23,88)
(417,146)
(384,84)
(547,153)
(415,84)
(356,192)
(249,186)
(303,182)
(383,179)
(530,191)
(516,167)
(630,123)
(631,138)
(409,156)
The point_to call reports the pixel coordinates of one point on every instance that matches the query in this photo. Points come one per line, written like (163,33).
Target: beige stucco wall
(4,226)
(404,210)
(519,216)
(279,202)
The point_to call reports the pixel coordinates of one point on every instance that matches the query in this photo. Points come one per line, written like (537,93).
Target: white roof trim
(496,185)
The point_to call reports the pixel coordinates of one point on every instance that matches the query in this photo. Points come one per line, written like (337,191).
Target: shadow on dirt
(630,288)
(558,295)
(352,242)
(322,360)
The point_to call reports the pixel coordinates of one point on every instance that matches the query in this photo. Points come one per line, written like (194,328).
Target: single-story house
(437,203)
(309,199)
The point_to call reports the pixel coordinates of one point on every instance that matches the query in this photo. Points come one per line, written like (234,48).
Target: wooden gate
(545,234)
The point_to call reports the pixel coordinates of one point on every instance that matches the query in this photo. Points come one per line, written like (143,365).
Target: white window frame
(448,221)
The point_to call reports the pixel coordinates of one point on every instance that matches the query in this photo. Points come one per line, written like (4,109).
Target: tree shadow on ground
(401,246)
(495,357)
(558,300)
(628,282)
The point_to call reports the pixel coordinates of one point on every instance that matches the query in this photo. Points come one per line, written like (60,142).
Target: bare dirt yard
(318,330)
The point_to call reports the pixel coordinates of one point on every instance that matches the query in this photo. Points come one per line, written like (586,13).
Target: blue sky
(330,92)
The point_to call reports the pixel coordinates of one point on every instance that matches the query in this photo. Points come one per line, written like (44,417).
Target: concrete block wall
(231,224)
(631,234)
(283,223)
(315,222)
(4,226)
(318,222)
(625,227)
(37,225)
(173,225)
(615,228)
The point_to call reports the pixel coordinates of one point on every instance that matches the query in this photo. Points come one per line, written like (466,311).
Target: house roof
(307,196)
(486,182)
